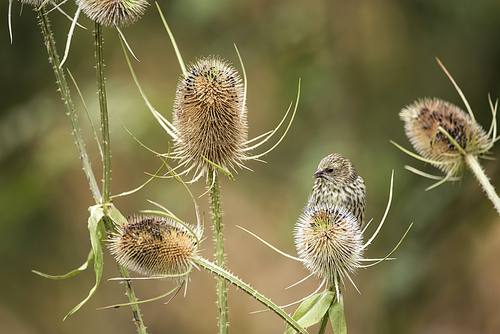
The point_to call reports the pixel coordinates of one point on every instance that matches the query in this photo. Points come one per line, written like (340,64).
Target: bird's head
(335,168)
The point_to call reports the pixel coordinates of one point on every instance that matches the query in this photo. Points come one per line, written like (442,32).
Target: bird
(338,184)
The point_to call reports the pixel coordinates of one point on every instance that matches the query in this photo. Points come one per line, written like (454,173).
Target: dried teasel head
(155,246)
(113,12)
(442,133)
(447,137)
(329,242)
(209,126)
(210,116)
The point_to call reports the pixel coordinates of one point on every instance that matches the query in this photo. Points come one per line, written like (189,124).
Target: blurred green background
(360,63)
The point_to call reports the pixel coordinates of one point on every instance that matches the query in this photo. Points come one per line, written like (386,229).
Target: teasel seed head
(443,134)
(210,116)
(329,242)
(113,12)
(154,246)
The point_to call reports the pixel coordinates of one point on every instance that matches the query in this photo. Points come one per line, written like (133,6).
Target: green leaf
(337,316)
(312,310)
(115,215)
(97,237)
(84,266)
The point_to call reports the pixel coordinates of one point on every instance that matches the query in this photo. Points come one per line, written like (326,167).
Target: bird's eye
(330,170)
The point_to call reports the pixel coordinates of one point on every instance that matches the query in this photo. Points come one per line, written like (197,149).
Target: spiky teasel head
(329,242)
(446,136)
(443,133)
(210,116)
(154,246)
(113,12)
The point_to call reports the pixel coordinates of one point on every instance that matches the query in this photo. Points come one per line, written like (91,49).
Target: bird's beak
(319,173)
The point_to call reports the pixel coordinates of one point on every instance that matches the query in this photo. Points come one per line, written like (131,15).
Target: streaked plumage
(338,184)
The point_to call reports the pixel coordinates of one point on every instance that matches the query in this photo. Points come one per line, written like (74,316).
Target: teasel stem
(323,323)
(141,328)
(476,168)
(80,143)
(68,102)
(106,161)
(326,317)
(225,275)
(101,90)
(220,256)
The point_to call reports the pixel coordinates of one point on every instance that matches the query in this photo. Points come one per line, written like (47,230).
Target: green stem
(80,143)
(101,90)
(106,162)
(225,275)
(323,323)
(478,171)
(141,328)
(220,257)
(324,320)
(68,102)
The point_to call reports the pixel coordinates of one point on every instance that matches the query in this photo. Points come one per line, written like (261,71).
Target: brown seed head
(210,115)
(329,241)
(422,121)
(153,246)
(113,12)
(338,184)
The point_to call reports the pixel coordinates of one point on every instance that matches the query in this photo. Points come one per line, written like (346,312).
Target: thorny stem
(101,90)
(132,299)
(106,184)
(80,143)
(68,102)
(225,275)
(478,171)
(215,203)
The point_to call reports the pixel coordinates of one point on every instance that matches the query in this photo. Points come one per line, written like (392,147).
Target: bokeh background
(360,62)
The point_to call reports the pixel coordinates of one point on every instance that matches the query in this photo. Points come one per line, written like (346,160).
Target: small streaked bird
(338,184)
